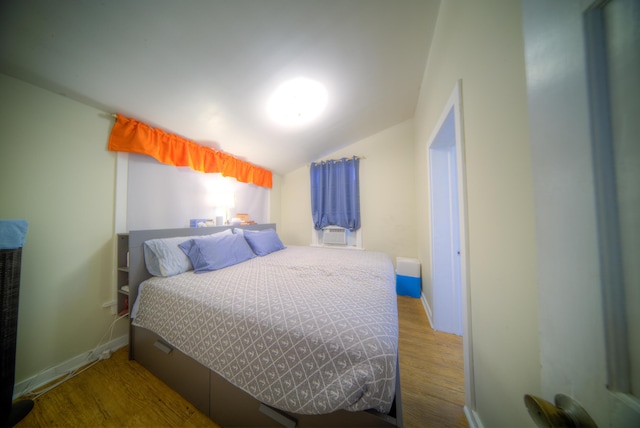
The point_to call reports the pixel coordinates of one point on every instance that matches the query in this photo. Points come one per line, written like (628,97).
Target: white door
(582,69)
(445,229)
(445,236)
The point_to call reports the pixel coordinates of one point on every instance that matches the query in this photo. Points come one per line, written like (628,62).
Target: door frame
(454,103)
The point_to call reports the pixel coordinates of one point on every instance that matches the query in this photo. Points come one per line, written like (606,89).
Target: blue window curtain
(335,193)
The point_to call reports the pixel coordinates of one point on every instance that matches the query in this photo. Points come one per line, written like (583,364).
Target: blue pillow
(216,252)
(263,242)
(192,239)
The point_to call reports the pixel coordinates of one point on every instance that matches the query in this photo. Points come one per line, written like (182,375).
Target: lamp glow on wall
(297,102)
(223,201)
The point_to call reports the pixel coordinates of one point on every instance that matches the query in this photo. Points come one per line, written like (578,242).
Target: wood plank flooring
(121,393)
(431,371)
(114,393)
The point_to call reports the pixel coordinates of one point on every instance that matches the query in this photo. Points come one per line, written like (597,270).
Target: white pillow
(163,257)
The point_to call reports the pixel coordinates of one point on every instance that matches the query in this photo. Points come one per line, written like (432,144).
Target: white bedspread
(307,330)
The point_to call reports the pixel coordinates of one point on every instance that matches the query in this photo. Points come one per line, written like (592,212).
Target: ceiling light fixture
(297,101)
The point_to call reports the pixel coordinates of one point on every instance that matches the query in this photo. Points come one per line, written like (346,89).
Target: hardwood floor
(431,371)
(120,393)
(114,393)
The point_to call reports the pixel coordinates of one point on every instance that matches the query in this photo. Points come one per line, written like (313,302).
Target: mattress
(306,330)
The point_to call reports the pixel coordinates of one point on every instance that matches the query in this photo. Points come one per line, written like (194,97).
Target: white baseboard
(427,309)
(473,418)
(23,387)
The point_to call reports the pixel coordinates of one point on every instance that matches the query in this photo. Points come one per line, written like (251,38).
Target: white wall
(387,194)
(275,201)
(56,172)
(482,44)
(163,196)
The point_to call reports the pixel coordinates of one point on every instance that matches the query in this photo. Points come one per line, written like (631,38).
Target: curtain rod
(336,160)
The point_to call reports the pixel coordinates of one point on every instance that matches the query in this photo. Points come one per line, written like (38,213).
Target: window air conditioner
(334,235)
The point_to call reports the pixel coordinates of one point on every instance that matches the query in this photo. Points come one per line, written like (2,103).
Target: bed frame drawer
(182,373)
(232,407)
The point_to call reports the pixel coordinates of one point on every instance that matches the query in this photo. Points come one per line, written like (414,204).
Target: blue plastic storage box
(408,281)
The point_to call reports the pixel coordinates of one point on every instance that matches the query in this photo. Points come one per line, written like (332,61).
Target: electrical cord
(92,359)
(92,353)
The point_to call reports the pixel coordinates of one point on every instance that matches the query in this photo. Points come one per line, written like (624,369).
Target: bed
(296,337)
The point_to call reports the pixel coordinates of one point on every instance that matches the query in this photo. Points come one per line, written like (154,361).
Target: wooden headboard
(138,269)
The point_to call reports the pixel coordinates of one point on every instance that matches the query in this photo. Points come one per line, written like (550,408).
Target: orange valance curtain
(129,135)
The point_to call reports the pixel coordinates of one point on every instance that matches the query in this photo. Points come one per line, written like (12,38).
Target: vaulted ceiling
(205,69)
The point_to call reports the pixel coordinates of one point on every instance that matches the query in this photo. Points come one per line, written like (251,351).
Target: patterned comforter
(306,330)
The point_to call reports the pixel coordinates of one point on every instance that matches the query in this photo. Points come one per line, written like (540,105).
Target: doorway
(450,293)
(445,229)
